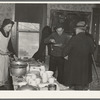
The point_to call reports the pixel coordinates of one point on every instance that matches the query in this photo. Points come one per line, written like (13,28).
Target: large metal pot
(28,88)
(18,68)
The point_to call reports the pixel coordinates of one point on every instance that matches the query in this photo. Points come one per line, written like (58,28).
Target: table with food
(28,74)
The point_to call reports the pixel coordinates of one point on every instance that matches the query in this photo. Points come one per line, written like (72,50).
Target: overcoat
(78,70)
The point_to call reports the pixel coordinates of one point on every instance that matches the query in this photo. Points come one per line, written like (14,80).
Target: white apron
(4,59)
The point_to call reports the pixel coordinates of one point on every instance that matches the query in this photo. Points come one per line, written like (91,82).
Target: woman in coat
(78,71)
(5,35)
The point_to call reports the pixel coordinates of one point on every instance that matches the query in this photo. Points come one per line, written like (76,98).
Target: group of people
(72,58)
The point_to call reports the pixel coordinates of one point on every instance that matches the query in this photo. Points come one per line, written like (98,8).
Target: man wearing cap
(57,40)
(78,72)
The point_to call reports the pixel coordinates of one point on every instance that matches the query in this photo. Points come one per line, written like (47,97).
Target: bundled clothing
(78,71)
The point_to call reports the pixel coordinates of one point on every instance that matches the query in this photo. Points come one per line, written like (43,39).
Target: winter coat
(78,69)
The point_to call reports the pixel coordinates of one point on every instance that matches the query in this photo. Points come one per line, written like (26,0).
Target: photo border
(70,95)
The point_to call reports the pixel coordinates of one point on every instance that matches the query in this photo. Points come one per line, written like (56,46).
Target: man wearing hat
(78,72)
(57,40)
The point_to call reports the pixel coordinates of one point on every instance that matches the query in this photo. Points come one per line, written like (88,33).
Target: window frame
(18,32)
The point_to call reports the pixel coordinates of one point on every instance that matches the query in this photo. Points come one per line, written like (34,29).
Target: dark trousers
(57,63)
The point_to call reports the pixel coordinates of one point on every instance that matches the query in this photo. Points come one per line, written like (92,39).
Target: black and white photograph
(49,47)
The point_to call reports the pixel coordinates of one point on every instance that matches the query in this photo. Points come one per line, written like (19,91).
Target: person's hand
(66,57)
(52,41)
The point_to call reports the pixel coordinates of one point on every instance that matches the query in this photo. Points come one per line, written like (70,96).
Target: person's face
(8,28)
(60,30)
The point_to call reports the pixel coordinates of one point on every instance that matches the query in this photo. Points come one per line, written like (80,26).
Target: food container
(44,77)
(18,68)
(51,80)
(50,73)
(52,87)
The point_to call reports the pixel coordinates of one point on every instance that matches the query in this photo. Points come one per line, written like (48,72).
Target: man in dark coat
(78,51)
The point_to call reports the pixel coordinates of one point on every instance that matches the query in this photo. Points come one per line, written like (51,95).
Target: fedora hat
(81,25)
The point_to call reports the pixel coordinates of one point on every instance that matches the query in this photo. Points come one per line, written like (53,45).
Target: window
(28,39)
